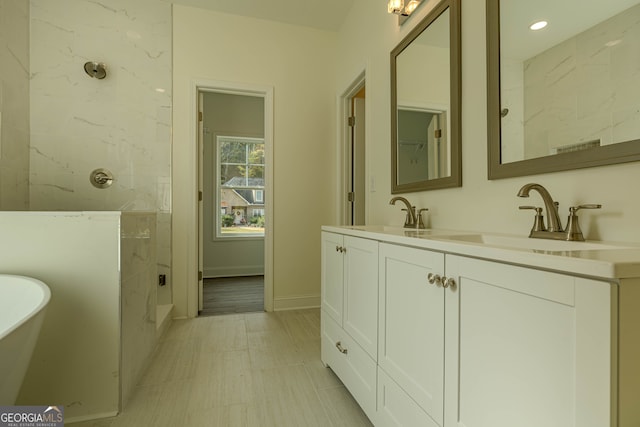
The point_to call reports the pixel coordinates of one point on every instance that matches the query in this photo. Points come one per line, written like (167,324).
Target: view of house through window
(240,186)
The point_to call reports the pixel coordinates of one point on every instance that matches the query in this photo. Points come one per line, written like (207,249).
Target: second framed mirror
(425,104)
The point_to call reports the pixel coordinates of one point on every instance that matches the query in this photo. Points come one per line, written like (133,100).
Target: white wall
(14,105)
(298,63)
(122,123)
(367,38)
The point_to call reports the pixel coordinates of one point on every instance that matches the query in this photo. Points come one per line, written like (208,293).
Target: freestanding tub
(23,302)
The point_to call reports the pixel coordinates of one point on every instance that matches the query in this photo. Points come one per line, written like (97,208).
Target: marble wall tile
(585,88)
(121,123)
(14,105)
(138,278)
(512,125)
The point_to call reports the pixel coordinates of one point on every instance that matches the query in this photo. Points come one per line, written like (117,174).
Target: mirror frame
(455,177)
(621,152)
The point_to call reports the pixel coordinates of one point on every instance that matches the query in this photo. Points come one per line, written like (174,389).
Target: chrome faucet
(555,230)
(553,218)
(413,219)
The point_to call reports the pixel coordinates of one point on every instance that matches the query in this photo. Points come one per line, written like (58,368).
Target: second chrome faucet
(555,230)
(413,218)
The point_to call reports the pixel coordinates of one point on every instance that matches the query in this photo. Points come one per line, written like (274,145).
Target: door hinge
(351,196)
(199,196)
(199,275)
(352,121)
(199,116)
(438,133)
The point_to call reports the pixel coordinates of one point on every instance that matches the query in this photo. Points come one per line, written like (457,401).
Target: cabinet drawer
(352,365)
(396,407)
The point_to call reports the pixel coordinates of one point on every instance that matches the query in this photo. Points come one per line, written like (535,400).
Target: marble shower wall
(585,88)
(121,123)
(14,105)
(512,99)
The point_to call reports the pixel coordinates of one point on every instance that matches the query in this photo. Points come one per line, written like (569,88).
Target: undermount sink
(527,243)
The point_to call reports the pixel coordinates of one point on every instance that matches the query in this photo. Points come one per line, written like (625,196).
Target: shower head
(95,69)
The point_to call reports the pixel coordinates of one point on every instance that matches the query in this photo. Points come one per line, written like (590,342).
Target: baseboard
(296,303)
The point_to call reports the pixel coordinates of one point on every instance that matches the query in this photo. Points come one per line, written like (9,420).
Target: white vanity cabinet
(528,348)
(349,322)
(426,331)
(411,337)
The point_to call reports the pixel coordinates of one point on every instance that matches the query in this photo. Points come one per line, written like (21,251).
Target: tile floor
(253,369)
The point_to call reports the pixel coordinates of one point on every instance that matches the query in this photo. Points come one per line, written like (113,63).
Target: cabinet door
(411,324)
(527,348)
(361,292)
(332,275)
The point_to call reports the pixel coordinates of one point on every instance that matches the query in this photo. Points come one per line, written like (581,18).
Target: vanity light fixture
(398,7)
(538,25)
(413,4)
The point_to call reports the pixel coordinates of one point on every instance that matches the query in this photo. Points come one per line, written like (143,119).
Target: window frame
(218,234)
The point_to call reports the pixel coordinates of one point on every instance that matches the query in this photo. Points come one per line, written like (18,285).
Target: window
(240,186)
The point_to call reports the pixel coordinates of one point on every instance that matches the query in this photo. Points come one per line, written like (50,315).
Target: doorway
(234,206)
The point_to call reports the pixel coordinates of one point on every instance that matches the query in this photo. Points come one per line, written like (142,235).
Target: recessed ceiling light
(538,25)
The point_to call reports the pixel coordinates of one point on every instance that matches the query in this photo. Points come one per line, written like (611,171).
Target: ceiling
(320,14)
(566,18)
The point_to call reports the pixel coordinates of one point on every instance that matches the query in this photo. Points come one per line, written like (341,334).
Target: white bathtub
(23,302)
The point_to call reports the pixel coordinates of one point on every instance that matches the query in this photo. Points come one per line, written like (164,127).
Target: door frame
(265,92)
(344,147)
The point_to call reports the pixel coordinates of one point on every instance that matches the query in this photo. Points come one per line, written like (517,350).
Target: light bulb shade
(396,6)
(411,6)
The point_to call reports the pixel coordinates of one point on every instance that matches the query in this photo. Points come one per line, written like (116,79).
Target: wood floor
(229,295)
(240,370)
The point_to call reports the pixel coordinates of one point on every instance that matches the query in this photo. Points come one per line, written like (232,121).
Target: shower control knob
(101,178)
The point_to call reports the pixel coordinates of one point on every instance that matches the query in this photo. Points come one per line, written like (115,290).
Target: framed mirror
(425,104)
(565,96)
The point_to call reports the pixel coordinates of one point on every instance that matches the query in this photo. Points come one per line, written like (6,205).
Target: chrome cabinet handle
(340,348)
(341,249)
(338,248)
(448,282)
(434,279)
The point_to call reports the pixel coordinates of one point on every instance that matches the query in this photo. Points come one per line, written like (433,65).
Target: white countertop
(615,261)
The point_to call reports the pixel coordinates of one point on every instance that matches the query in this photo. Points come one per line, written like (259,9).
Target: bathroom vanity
(449,328)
